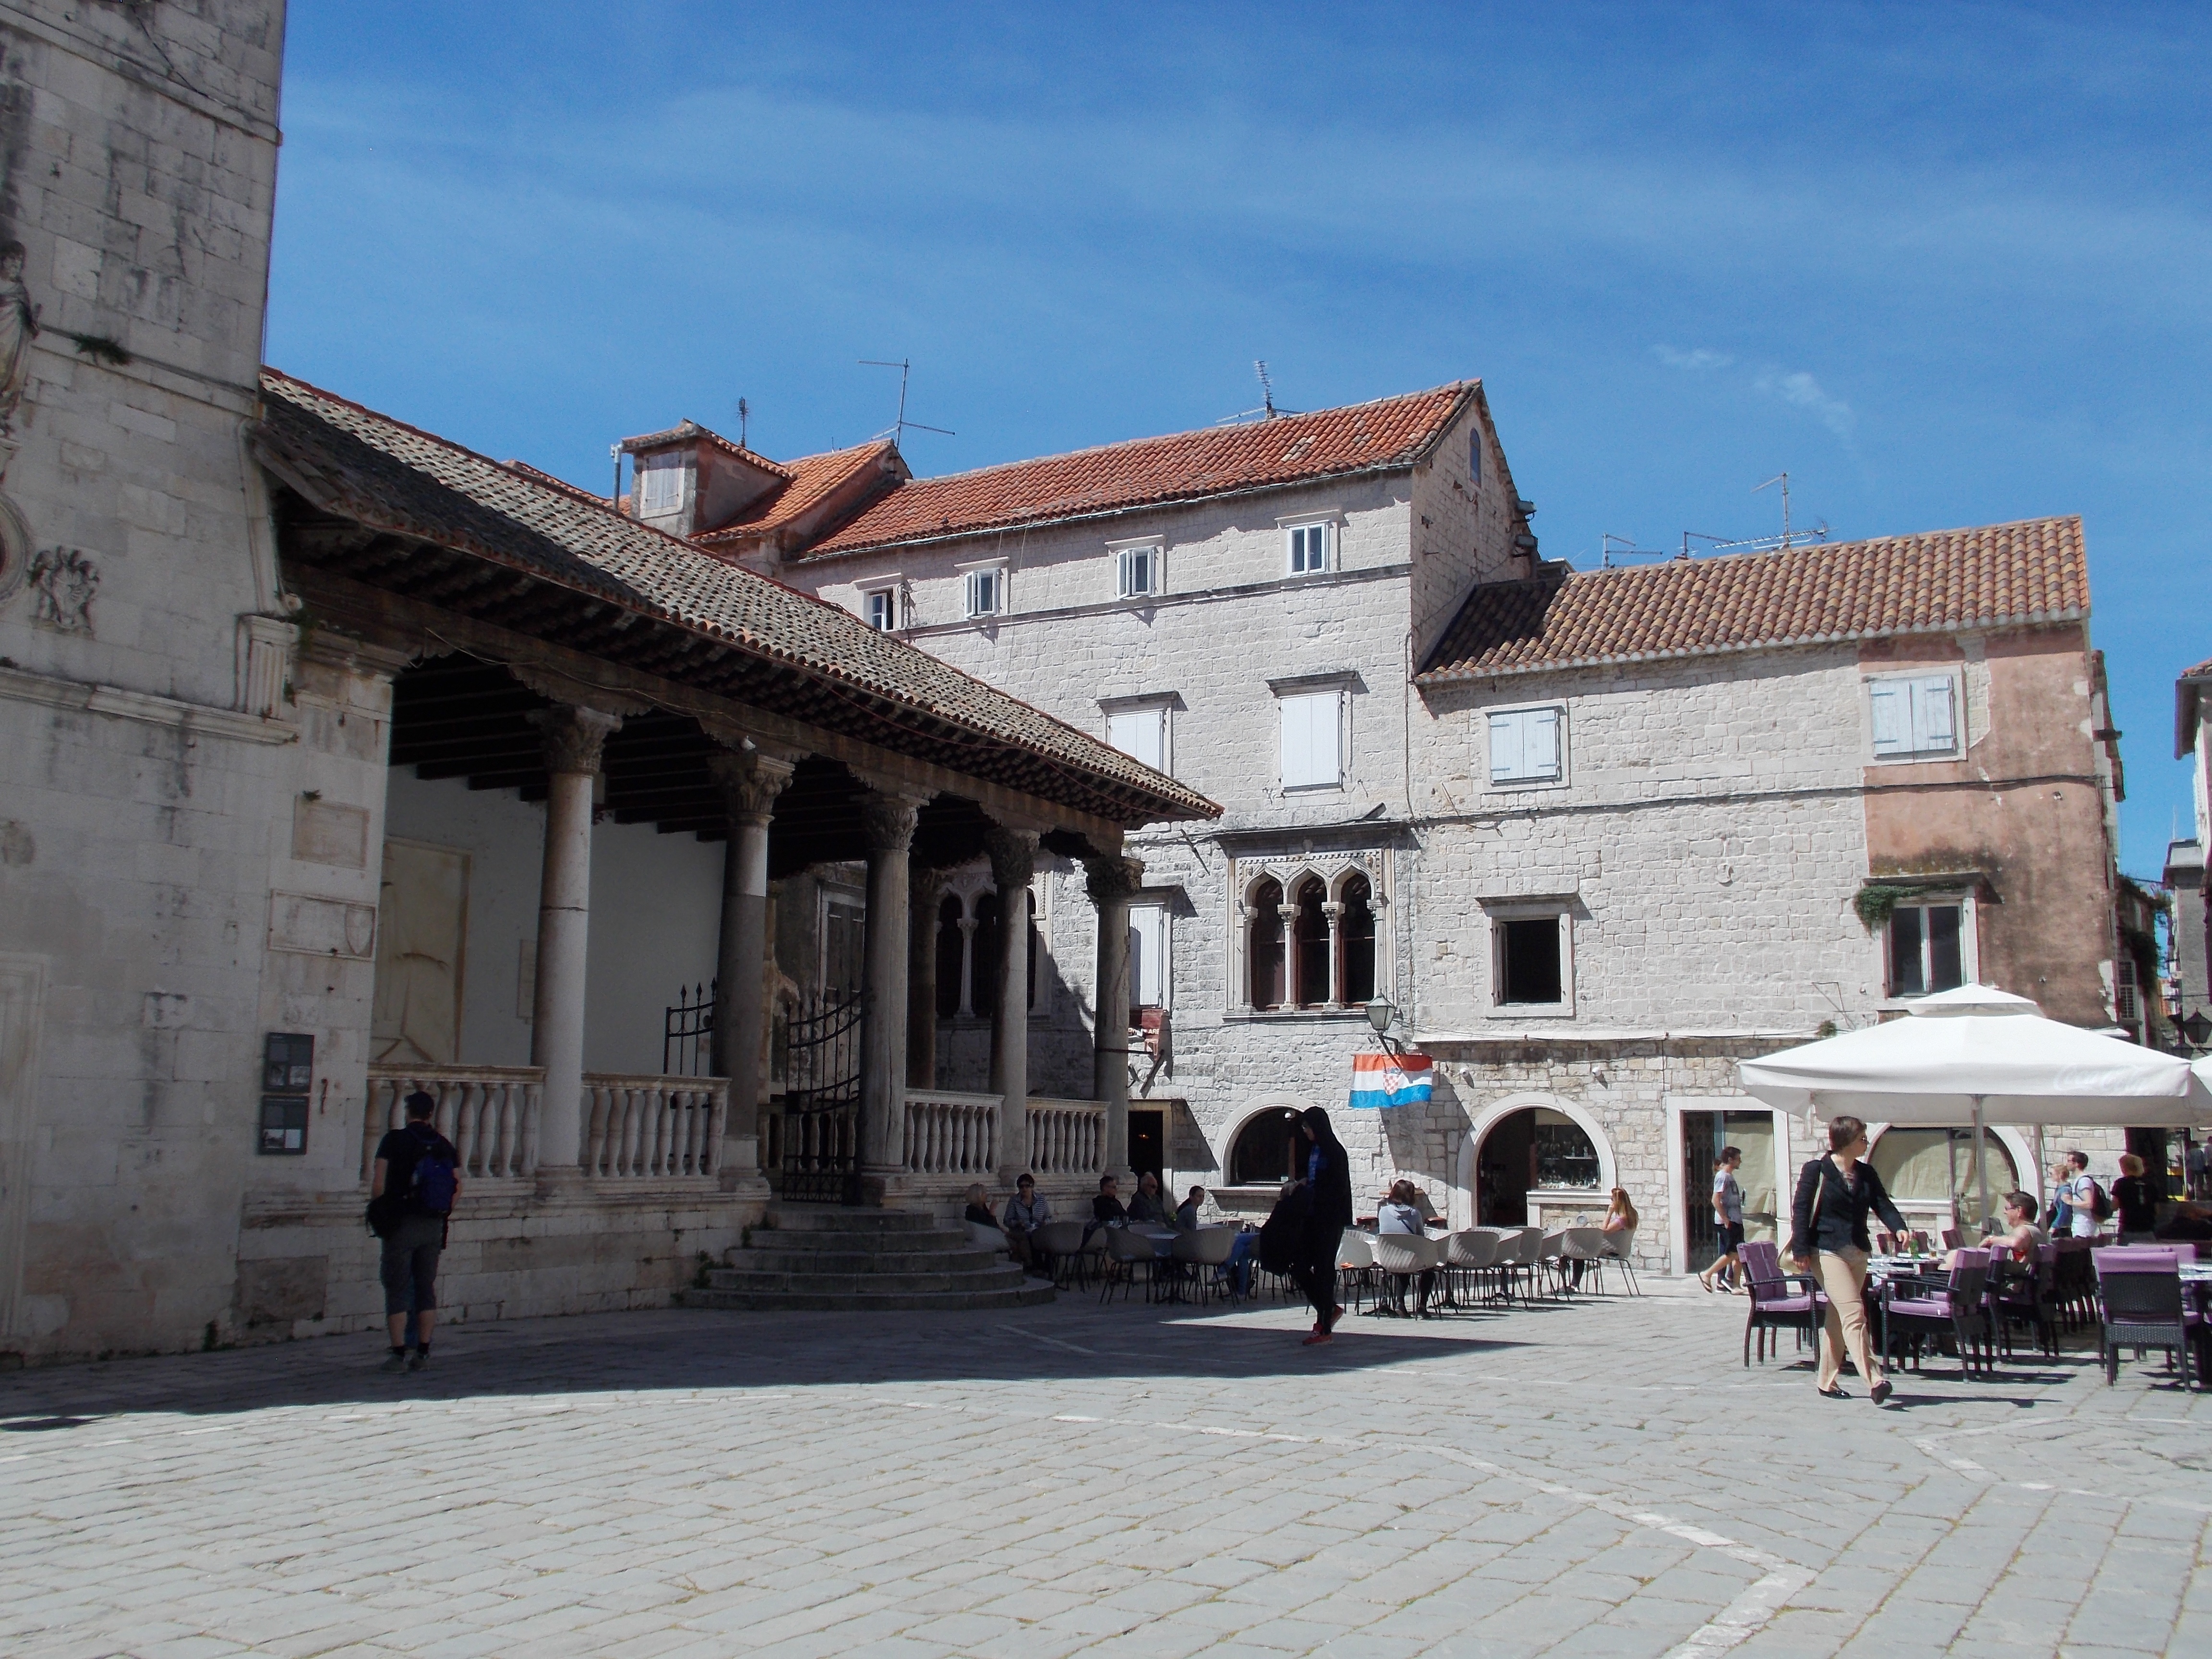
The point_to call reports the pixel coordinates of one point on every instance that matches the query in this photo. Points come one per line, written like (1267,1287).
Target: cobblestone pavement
(1604,1478)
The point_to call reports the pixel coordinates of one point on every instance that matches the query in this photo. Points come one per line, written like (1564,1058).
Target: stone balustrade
(1067,1136)
(491,1114)
(653,1127)
(949,1134)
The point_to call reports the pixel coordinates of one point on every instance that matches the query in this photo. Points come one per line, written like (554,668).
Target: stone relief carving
(64,580)
(18,326)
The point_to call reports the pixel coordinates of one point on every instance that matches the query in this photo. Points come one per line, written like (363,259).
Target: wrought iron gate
(687,1033)
(818,1131)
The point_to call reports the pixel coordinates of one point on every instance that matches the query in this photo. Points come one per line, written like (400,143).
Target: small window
(1530,965)
(1913,716)
(1524,746)
(660,482)
(1313,749)
(987,592)
(1148,955)
(1308,549)
(879,609)
(1136,572)
(1927,949)
(1267,1150)
(1141,734)
(1474,457)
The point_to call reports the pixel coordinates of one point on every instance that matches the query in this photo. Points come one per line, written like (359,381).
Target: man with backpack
(2083,1198)
(411,1196)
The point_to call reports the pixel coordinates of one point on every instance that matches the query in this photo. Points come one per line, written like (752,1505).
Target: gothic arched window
(1309,935)
(1264,952)
(1355,933)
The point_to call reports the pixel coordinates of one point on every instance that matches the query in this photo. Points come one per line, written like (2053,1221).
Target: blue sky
(1946,265)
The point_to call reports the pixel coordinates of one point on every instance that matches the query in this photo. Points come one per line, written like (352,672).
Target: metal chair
(2140,1305)
(1202,1260)
(1059,1249)
(1399,1257)
(1916,1309)
(1127,1250)
(1775,1305)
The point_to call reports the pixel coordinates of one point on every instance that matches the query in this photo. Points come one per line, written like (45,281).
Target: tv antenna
(1266,411)
(897,433)
(744,417)
(1782,478)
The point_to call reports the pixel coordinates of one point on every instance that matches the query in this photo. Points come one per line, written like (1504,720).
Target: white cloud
(1801,391)
(1698,359)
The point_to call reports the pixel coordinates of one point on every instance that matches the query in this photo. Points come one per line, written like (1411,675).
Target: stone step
(1032,1294)
(833,1218)
(774,1258)
(767,1238)
(743,1278)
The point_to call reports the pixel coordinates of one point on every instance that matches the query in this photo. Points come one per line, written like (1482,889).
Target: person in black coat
(1828,1236)
(1327,1177)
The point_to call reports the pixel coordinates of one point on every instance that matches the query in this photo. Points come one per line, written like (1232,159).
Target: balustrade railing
(488,1112)
(653,1127)
(949,1134)
(1067,1136)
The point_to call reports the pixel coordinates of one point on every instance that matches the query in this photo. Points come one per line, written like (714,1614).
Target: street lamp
(2196,1029)
(1380,1013)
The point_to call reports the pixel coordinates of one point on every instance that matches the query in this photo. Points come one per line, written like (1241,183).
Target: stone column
(1333,910)
(1111,882)
(967,967)
(1240,993)
(1013,864)
(574,738)
(887,818)
(926,887)
(748,782)
(1286,920)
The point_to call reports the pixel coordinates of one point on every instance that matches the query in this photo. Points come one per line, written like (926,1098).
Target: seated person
(1186,1211)
(2020,1230)
(1025,1213)
(1106,1209)
(1150,1206)
(979,1207)
(1400,1213)
(2189,1224)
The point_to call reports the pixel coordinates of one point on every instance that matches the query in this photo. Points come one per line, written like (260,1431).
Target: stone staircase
(818,1256)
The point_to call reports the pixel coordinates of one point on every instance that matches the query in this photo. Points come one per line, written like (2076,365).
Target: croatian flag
(1401,1079)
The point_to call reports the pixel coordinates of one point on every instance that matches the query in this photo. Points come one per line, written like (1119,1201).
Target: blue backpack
(433,1182)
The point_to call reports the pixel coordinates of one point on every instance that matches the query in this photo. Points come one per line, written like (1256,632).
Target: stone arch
(1463,1206)
(1265,1106)
(2018,1146)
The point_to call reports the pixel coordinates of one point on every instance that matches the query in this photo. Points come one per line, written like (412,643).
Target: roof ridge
(1195,432)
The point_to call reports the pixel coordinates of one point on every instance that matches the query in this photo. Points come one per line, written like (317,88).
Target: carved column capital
(575,738)
(749,782)
(1112,880)
(1012,854)
(925,884)
(887,818)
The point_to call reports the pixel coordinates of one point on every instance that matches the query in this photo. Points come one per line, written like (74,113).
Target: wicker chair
(2141,1306)
(1914,1310)
(1775,1305)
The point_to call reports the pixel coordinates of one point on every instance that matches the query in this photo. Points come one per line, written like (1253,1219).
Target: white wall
(656,917)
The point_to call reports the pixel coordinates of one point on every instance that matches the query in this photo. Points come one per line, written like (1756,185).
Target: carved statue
(65,581)
(19,326)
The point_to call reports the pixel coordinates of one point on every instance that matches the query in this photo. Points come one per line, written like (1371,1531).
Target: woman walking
(1327,1177)
(1834,1194)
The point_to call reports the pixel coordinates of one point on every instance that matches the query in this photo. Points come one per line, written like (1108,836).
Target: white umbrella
(1981,1055)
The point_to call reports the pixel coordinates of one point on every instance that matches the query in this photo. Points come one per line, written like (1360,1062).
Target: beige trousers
(1843,1276)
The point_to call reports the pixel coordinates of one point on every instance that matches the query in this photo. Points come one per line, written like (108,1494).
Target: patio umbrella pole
(1981,1168)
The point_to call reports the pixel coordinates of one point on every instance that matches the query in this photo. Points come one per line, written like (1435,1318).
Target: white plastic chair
(986,1239)
(1400,1256)
(1469,1255)
(1619,1248)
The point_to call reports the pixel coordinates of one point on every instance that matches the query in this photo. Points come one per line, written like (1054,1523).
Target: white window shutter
(1297,762)
(1890,704)
(1505,746)
(1309,741)
(1540,751)
(1148,929)
(1933,728)
(1137,734)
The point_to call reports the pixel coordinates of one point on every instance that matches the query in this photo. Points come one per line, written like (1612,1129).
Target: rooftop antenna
(744,417)
(1267,387)
(905,366)
(1782,478)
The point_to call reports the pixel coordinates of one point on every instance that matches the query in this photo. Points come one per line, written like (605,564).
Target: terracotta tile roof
(1394,432)
(814,479)
(691,431)
(545,478)
(351,462)
(1947,579)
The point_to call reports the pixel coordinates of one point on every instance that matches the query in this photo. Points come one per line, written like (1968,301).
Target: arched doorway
(1528,1158)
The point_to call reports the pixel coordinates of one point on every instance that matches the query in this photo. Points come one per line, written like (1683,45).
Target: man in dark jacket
(1328,1174)
(413,1235)
(1834,1195)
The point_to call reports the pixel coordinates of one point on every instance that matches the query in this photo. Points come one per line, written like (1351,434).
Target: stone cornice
(197,719)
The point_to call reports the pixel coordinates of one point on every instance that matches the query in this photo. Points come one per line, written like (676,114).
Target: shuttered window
(659,483)
(1136,572)
(880,608)
(987,592)
(1524,746)
(1141,734)
(1914,716)
(1148,955)
(1312,745)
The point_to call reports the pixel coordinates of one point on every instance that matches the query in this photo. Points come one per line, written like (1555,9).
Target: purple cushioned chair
(1779,1301)
(2025,1293)
(2141,1306)
(1914,1310)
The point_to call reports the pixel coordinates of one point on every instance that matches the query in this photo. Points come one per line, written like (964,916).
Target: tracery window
(1264,953)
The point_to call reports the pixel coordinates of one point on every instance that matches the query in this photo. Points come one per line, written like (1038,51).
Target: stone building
(1594,836)
(335,761)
